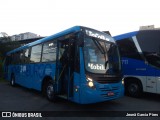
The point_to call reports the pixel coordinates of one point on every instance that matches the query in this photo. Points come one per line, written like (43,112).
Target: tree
(1,69)
(4,37)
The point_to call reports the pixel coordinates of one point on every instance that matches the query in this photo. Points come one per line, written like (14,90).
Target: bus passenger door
(62,71)
(71,66)
(158,80)
(153,79)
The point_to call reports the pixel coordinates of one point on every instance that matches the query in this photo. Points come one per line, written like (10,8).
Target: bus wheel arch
(48,88)
(133,87)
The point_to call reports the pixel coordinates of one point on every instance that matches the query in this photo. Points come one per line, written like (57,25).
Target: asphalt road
(22,99)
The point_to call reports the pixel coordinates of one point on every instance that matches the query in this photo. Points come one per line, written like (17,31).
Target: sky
(47,17)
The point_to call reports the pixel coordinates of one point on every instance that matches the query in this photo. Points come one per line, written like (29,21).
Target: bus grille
(104,80)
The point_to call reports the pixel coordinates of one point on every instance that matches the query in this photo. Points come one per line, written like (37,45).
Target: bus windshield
(101,56)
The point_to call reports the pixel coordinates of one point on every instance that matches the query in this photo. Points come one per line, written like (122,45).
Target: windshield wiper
(99,45)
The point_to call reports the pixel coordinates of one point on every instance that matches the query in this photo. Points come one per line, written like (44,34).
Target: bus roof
(126,35)
(65,32)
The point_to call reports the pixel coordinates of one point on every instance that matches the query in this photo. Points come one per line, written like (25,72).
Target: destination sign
(97,35)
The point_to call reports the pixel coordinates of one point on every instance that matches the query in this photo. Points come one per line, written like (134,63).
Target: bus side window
(26,56)
(16,58)
(49,52)
(21,57)
(153,59)
(7,60)
(36,53)
(128,49)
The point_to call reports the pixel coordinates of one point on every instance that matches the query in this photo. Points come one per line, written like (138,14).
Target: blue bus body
(140,52)
(39,65)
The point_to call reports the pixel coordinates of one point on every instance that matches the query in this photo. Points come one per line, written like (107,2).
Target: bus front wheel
(50,93)
(134,89)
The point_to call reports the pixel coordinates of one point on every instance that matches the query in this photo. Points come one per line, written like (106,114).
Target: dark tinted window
(128,49)
(153,59)
(8,60)
(149,41)
(49,51)
(36,53)
(17,57)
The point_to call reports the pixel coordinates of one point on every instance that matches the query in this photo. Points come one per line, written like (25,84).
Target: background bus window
(49,52)
(36,53)
(149,42)
(128,49)
(153,59)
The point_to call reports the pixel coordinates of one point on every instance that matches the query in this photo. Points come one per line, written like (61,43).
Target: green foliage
(4,48)
(5,39)
(8,46)
(1,70)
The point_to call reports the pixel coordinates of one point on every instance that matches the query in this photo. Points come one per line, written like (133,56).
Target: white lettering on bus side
(23,68)
(124,62)
(96,66)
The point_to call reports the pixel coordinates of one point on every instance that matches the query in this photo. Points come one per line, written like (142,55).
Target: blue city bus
(79,64)
(140,52)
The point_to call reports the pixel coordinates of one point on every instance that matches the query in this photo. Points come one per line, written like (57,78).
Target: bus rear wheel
(49,91)
(134,89)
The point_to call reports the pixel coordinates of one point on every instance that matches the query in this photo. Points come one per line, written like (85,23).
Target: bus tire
(134,89)
(49,91)
(12,82)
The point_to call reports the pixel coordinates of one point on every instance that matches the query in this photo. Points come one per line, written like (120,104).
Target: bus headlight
(122,81)
(90,84)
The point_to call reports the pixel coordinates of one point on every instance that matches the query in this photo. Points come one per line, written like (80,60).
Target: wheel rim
(50,91)
(133,88)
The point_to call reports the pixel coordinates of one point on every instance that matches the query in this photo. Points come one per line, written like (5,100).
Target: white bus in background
(140,52)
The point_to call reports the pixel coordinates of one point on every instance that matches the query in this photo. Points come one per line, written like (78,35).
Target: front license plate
(110,93)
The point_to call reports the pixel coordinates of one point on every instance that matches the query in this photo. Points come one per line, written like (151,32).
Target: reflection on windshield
(101,56)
